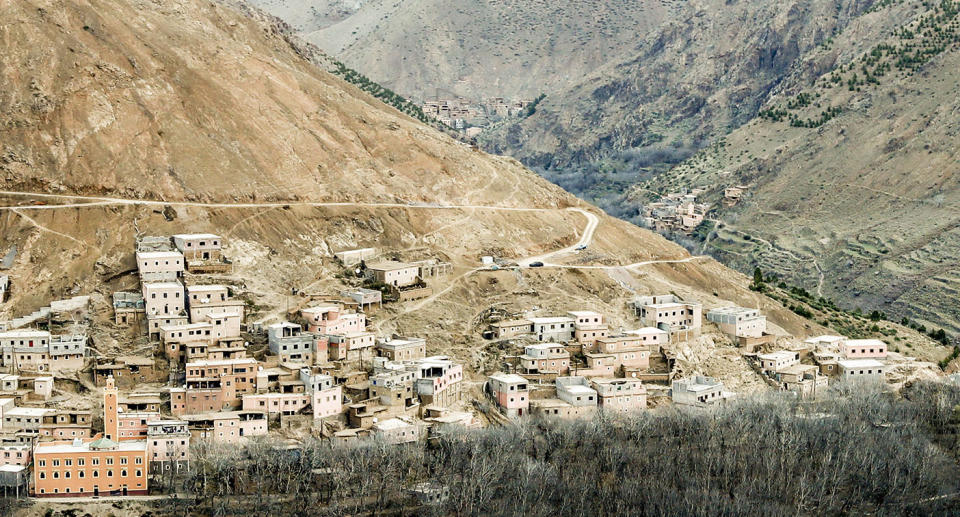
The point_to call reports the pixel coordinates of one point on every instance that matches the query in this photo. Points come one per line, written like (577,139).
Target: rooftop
(512,323)
(100,443)
(191,236)
(508,378)
(390,266)
(552,319)
(860,363)
(159,254)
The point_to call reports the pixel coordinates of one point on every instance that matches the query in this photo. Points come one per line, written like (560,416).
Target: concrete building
(199,246)
(402,348)
(168,446)
(276,403)
(289,342)
(620,395)
(682,320)
(205,294)
(511,393)
(227,426)
(350,346)
(63,424)
(863,349)
(160,266)
(825,341)
(39,351)
(81,468)
(630,350)
(553,329)
(698,391)
(576,391)
(326,397)
(27,419)
(394,387)
(439,381)
(398,430)
(163,299)
(739,322)
(397,274)
(511,328)
(777,361)
(355,256)
(18,454)
(854,370)
(333,319)
(545,358)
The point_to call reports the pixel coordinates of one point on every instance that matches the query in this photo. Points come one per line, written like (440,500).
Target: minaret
(110,423)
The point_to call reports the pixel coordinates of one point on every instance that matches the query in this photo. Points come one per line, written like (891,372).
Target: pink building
(163,298)
(627,350)
(511,392)
(326,397)
(227,426)
(350,346)
(621,395)
(331,319)
(161,266)
(276,403)
(15,455)
(545,358)
(863,349)
(168,445)
(439,381)
(133,426)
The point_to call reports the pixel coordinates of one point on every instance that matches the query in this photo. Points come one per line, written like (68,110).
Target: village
(469,117)
(209,373)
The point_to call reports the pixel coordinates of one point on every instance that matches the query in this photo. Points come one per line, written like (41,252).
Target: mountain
(478,50)
(852,172)
(694,78)
(161,118)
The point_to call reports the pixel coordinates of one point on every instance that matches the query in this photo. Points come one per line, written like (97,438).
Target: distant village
(471,118)
(211,374)
(681,212)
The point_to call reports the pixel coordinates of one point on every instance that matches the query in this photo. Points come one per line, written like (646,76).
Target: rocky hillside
(693,79)
(153,118)
(477,49)
(854,175)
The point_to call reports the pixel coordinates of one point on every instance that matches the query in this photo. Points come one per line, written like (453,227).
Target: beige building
(160,266)
(397,274)
(681,320)
(510,328)
(620,395)
(199,246)
(739,322)
(402,348)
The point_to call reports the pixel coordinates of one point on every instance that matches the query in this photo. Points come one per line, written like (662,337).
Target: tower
(110,423)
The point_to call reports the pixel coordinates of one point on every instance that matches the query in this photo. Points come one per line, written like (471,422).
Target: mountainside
(853,175)
(479,49)
(160,118)
(693,79)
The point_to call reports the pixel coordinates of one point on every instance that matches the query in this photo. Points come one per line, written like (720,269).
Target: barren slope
(870,197)
(115,104)
(477,49)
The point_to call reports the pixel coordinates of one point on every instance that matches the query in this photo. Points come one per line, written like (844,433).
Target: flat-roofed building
(227,426)
(349,346)
(402,348)
(863,349)
(739,321)
(620,395)
(511,328)
(199,246)
(160,266)
(168,445)
(82,468)
(855,370)
(511,393)
(681,319)
(553,329)
(397,274)
(576,391)
(777,361)
(545,358)
(698,391)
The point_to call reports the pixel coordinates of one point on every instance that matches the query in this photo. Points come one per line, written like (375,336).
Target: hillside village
(209,373)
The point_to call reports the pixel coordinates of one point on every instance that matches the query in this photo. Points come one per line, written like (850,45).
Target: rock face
(863,206)
(476,49)
(182,100)
(695,77)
